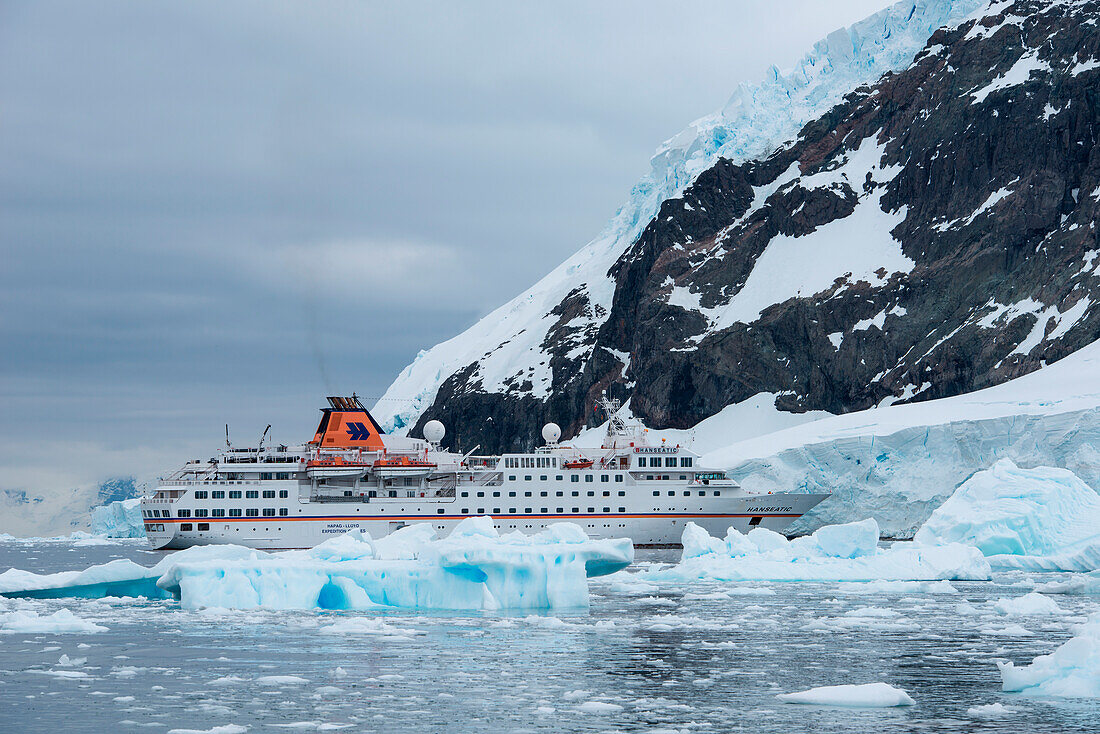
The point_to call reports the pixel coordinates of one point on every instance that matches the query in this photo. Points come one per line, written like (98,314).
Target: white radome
(551,432)
(434,431)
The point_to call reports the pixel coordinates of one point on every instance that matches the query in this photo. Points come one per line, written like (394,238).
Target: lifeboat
(402,466)
(335,466)
(578,464)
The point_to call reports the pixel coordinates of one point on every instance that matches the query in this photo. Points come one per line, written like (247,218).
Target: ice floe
(61,621)
(847,552)
(866,695)
(473,568)
(1028,604)
(1040,519)
(1071,671)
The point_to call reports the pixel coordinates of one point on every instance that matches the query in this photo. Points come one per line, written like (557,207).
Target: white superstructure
(353,476)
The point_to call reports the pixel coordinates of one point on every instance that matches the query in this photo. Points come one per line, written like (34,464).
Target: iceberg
(119,519)
(60,622)
(867,695)
(1071,671)
(473,568)
(847,552)
(1035,519)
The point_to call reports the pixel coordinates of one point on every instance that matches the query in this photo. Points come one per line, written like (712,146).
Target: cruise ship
(352,475)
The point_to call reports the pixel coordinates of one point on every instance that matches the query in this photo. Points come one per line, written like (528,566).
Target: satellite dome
(434,431)
(551,432)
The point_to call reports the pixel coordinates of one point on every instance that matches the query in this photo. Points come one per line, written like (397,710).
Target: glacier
(757,118)
(473,568)
(846,552)
(1071,671)
(1034,519)
(119,519)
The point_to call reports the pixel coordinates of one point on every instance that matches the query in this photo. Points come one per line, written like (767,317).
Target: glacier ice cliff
(119,519)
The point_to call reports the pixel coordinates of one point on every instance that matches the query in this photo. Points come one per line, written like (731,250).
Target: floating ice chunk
(474,568)
(281,680)
(223,729)
(1071,671)
(367,626)
(1012,630)
(599,707)
(1080,583)
(1028,604)
(1042,519)
(990,710)
(61,621)
(867,695)
(899,587)
(804,559)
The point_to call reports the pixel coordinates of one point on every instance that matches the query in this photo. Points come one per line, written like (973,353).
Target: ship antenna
(227,444)
(261,448)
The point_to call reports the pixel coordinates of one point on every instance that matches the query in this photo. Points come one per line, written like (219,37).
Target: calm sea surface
(690,658)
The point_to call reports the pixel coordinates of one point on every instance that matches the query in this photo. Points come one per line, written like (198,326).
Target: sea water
(699,657)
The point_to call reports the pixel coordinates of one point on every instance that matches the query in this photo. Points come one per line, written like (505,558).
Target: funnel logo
(358,431)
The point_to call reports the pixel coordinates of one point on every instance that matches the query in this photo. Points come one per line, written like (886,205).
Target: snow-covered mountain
(23,513)
(907,215)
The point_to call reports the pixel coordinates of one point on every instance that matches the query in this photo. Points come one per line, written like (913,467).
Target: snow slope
(756,119)
(898,463)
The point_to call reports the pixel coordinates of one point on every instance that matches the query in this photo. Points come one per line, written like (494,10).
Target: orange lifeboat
(578,464)
(334,466)
(402,466)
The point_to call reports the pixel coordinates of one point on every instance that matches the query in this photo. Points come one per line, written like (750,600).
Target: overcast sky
(219,212)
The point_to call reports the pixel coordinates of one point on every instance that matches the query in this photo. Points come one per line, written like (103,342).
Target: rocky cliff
(928,231)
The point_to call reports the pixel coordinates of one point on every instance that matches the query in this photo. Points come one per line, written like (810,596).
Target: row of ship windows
(670,461)
(529,511)
(234,478)
(235,494)
(656,493)
(205,526)
(232,512)
(572,478)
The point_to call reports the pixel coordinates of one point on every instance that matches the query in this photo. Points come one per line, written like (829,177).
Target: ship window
(496,510)
(528,494)
(284,493)
(542,477)
(408,493)
(526,477)
(439,511)
(265,475)
(511,494)
(511,510)
(702,493)
(559,478)
(618,477)
(200,494)
(559,494)
(235,513)
(606,494)
(235,494)
(656,493)
(683,477)
(561,509)
(591,509)
(269,512)
(576,494)
(200,513)
(607,509)
(186,527)
(480,510)
(465,510)
(717,493)
(671,493)
(184,513)
(511,477)
(670,461)
(392,493)
(218,494)
(282,475)
(480,494)
(372,493)
(283,511)
(622,509)
(496,494)
(591,494)
(465,494)
(589,478)
(347,493)
(269,494)
(217,513)
(687,493)
(527,510)
(605,478)
(576,509)
(649,476)
(641,461)
(251,512)
(574,477)
(204,526)
(685,461)
(622,494)
(251,494)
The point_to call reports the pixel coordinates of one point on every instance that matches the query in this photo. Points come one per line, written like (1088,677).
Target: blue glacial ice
(473,568)
(1071,671)
(847,552)
(119,519)
(1037,519)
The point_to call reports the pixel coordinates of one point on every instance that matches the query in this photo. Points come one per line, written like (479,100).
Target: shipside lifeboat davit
(335,466)
(402,466)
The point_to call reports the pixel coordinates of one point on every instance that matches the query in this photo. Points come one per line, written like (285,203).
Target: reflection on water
(689,658)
